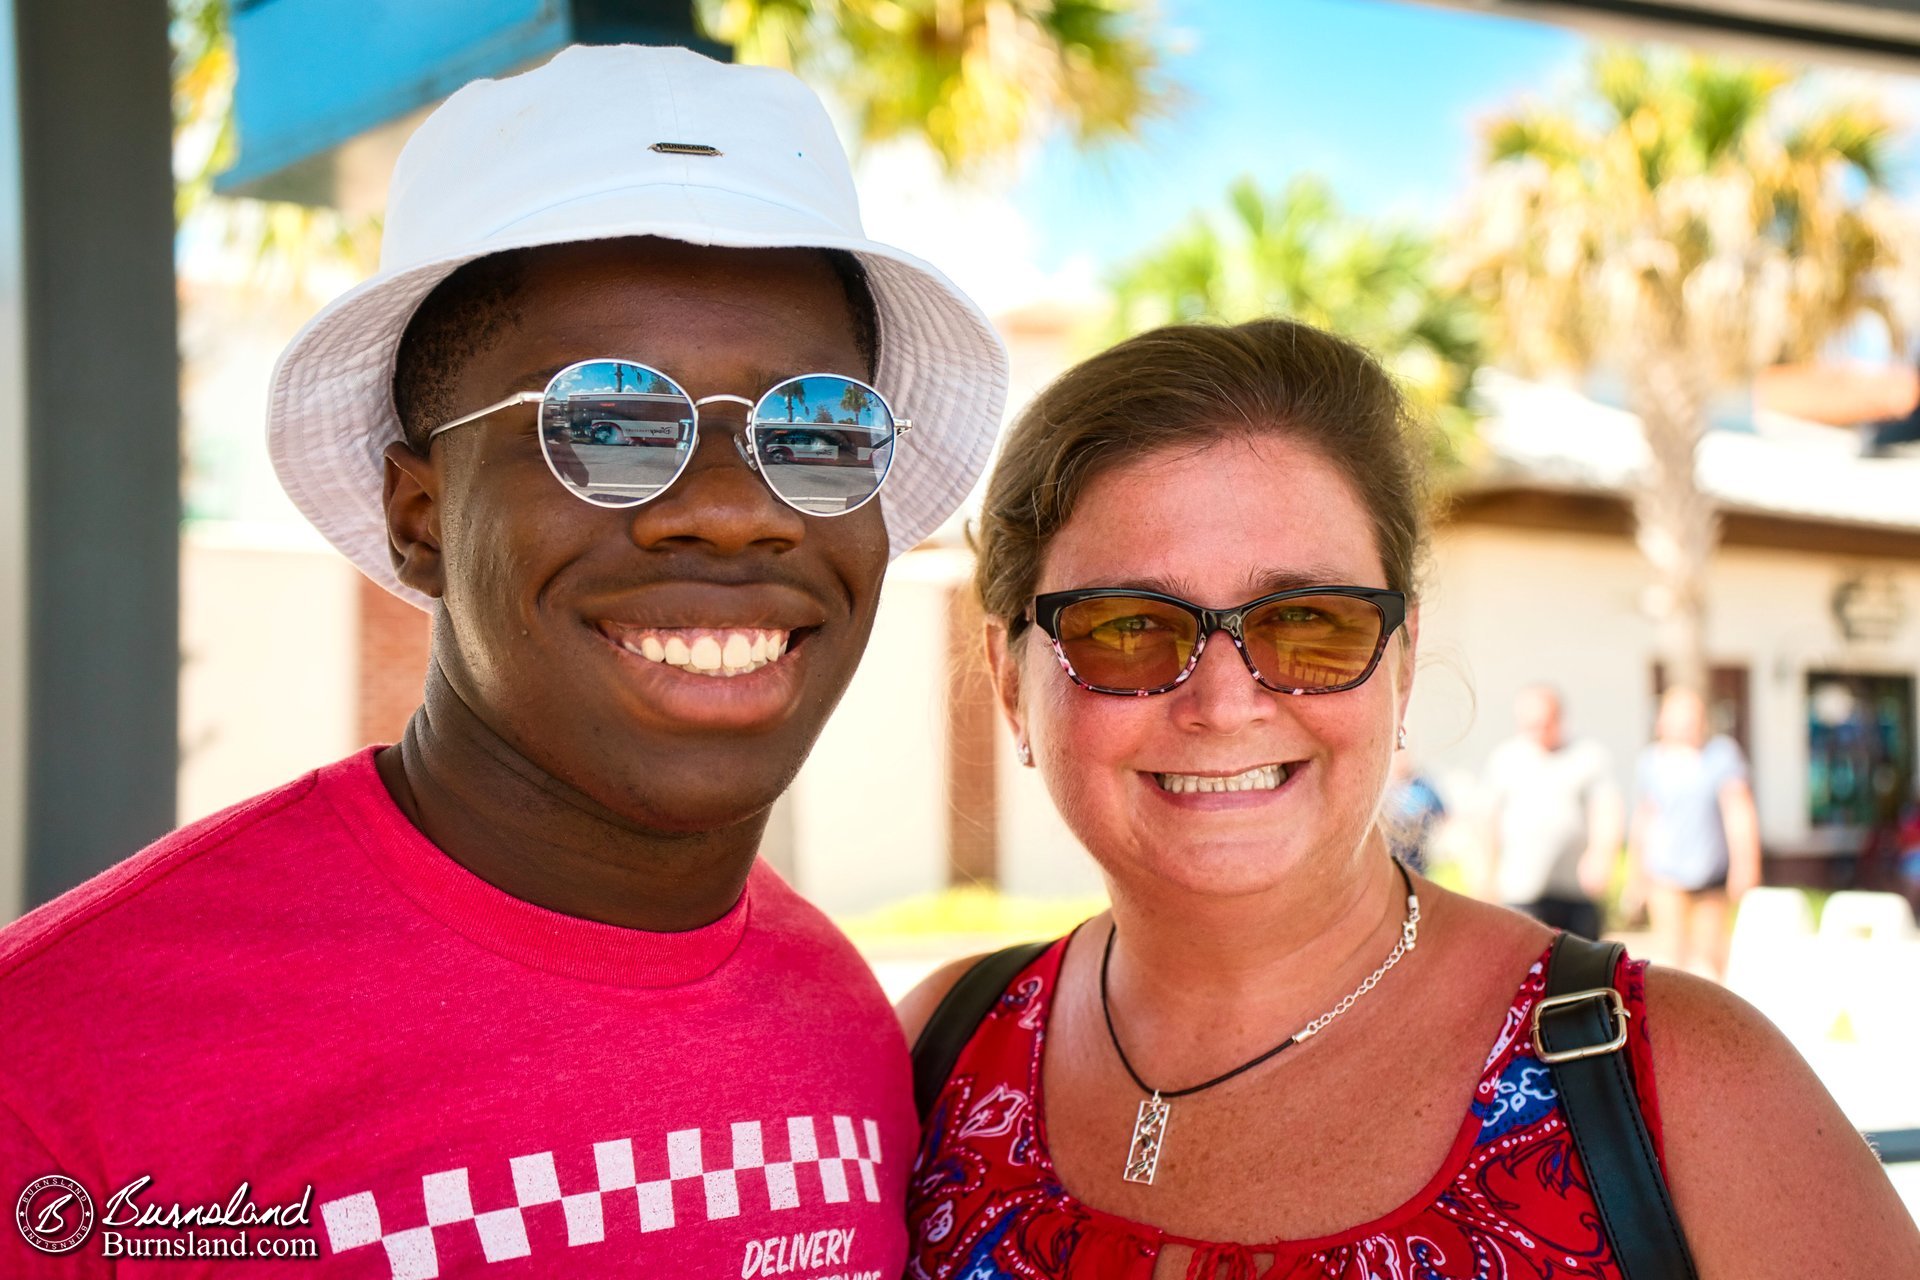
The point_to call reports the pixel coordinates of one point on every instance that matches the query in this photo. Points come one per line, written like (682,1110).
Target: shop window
(1860,748)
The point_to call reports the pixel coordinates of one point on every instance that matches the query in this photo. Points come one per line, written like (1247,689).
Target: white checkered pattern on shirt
(354,1222)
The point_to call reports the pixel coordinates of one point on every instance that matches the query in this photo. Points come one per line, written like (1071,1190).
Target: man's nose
(719,501)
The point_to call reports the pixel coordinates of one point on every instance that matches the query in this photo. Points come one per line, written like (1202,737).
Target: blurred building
(1814,616)
(1813,611)
(1813,598)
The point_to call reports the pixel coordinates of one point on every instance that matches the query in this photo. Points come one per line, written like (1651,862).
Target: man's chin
(658,806)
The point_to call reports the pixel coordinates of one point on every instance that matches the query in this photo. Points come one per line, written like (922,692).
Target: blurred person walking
(1554,827)
(1411,812)
(1694,844)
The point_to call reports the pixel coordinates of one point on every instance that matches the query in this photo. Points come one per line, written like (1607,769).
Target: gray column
(13,500)
(101,445)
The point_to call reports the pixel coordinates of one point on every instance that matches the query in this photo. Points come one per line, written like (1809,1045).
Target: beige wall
(1040,857)
(869,807)
(1506,608)
(268,680)
(856,847)
(267,661)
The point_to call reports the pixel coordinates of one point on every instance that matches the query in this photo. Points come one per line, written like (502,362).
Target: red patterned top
(1509,1201)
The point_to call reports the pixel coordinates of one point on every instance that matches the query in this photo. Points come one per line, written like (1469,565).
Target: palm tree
(856,402)
(1297,254)
(1684,225)
(795,393)
(972,78)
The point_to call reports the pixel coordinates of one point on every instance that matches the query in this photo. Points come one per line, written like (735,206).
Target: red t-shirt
(304,992)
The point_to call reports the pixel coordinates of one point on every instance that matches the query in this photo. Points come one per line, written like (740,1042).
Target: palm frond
(1295,253)
(1712,193)
(1858,135)
(1721,101)
(1551,139)
(973,78)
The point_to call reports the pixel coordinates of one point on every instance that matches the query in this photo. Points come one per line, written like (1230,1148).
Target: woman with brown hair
(1280,1054)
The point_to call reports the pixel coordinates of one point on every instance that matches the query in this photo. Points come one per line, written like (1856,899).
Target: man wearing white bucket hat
(638,412)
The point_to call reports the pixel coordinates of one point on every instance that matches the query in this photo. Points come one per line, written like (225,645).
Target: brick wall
(973,723)
(393,662)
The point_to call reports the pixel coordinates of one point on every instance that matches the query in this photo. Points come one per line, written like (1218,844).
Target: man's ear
(1003,661)
(410,495)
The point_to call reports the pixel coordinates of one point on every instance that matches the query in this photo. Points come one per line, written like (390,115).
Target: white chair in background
(1867,917)
(1770,914)
(1870,959)
(1771,962)
(1881,997)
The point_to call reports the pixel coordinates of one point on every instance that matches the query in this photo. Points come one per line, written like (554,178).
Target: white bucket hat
(609,141)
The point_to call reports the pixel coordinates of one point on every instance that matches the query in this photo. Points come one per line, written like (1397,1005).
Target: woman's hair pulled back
(1183,387)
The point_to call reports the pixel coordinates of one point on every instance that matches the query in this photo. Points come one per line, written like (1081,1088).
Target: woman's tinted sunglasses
(1308,640)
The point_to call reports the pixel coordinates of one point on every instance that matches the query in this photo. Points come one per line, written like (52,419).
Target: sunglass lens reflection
(1313,642)
(823,443)
(616,433)
(1126,643)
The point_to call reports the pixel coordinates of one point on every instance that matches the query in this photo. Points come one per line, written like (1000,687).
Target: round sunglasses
(617,433)
(1137,643)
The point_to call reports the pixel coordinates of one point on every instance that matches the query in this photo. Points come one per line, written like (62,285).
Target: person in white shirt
(1555,825)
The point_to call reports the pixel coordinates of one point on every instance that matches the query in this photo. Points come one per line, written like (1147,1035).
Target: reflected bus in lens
(618,432)
(821,420)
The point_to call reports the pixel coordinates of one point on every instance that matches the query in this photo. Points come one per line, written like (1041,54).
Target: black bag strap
(1580,1031)
(959,1014)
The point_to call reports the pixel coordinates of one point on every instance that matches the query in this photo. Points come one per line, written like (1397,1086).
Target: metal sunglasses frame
(1046,609)
(749,451)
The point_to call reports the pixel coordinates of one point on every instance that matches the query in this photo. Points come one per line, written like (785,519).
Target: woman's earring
(1025,753)
(1400,743)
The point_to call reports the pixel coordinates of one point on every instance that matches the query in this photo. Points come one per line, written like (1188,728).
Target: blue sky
(1380,97)
(1377,96)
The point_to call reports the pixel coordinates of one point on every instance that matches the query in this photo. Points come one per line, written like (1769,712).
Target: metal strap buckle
(1620,1016)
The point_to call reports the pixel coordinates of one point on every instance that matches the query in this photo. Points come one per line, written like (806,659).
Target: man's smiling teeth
(704,651)
(1265,778)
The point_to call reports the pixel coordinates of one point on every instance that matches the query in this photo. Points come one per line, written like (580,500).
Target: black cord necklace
(1150,1127)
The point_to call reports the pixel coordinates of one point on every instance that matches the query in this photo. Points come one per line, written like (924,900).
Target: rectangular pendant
(1149,1131)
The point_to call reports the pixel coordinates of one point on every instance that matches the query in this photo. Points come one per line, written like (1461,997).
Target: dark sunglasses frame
(1046,610)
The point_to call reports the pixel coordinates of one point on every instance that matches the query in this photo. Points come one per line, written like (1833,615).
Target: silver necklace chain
(1150,1126)
(1409,934)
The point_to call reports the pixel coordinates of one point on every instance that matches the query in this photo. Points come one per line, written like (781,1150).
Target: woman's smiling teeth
(704,651)
(1266,777)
